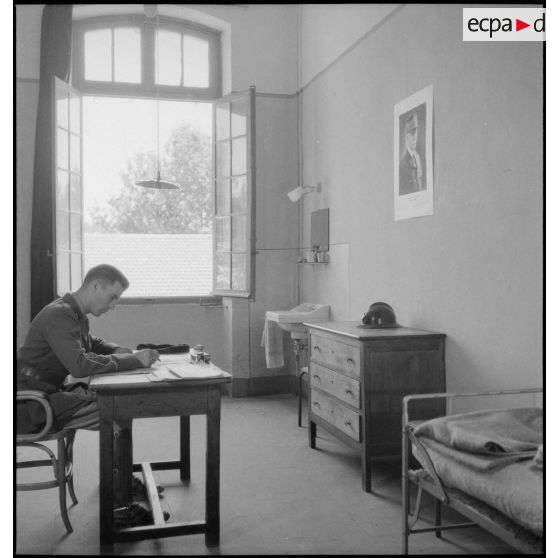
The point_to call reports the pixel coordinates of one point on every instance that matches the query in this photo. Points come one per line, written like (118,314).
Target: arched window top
(135,55)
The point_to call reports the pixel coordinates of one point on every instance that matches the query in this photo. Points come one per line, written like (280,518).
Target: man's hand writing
(146,356)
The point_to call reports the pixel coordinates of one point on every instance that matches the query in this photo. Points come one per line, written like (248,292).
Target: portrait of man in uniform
(412,155)
(411,162)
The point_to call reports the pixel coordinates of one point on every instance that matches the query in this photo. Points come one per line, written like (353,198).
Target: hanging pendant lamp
(157,183)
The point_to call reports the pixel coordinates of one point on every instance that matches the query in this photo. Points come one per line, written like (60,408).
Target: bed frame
(427,480)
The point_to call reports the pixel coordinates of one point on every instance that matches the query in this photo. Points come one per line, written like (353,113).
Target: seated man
(58,343)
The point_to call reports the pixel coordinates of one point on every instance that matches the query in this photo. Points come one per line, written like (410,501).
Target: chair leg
(61,469)
(438,517)
(70,464)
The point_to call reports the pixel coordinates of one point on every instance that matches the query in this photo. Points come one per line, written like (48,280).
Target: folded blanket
(475,461)
(488,432)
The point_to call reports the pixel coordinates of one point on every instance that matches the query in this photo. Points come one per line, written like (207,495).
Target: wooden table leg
(122,462)
(184,447)
(106,449)
(212,466)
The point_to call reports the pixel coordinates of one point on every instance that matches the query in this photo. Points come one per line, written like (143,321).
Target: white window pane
(168,58)
(223,122)
(239,109)
(63,272)
(62,230)
(62,190)
(223,197)
(75,154)
(196,62)
(223,234)
(62,110)
(239,194)
(223,271)
(76,271)
(75,114)
(239,156)
(75,192)
(98,65)
(223,159)
(239,272)
(75,232)
(239,233)
(62,149)
(127,55)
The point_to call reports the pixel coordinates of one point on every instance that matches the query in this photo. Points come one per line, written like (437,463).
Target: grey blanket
(492,432)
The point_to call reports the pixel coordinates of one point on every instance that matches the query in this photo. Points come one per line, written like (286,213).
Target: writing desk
(126,396)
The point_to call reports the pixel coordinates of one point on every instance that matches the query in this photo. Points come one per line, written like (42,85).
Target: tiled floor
(277,495)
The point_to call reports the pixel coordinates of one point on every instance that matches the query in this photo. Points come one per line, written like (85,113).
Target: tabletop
(174,369)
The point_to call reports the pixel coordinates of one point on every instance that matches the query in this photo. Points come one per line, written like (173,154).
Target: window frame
(147,88)
(250,202)
(63,92)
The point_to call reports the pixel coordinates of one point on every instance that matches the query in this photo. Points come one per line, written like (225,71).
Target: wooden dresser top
(352,329)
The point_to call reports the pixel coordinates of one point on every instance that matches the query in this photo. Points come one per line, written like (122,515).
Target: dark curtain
(56,40)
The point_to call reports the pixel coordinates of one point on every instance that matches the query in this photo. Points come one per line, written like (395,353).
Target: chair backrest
(24,397)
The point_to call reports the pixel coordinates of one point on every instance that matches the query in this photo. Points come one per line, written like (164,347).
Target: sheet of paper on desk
(185,371)
(122,378)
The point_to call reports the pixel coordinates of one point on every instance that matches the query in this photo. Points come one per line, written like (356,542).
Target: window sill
(207,300)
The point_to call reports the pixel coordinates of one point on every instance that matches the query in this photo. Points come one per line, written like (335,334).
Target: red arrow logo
(519,25)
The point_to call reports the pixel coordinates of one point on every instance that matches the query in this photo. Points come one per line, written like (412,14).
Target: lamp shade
(299,191)
(157,183)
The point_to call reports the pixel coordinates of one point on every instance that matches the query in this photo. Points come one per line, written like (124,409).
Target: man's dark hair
(106,273)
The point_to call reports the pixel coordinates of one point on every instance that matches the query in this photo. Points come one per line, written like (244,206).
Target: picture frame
(412,148)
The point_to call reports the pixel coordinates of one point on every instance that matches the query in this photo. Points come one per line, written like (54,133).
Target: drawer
(336,414)
(338,385)
(334,354)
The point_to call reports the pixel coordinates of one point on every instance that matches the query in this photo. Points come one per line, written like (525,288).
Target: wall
(472,270)
(260,48)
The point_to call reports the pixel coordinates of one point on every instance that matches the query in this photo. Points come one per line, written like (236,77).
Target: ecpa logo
(503,24)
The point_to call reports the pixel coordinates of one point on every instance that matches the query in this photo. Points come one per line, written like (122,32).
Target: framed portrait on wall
(412,148)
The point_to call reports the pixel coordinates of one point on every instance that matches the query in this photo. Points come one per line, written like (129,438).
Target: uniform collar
(72,301)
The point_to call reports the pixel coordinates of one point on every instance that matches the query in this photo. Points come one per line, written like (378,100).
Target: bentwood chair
(62,464)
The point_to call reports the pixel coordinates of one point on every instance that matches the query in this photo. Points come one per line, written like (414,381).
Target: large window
(160,239)
(145,93)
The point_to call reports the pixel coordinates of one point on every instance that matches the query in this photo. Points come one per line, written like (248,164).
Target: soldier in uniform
(411,178)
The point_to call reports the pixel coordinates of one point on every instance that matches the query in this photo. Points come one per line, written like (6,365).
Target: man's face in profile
(411,139)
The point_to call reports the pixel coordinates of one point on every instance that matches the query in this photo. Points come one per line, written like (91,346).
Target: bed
(487,465)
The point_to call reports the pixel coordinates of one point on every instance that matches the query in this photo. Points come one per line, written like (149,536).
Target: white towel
(272,341)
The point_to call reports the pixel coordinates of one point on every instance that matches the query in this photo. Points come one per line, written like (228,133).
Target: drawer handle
(316,403)
(317,377)
(349,359)
(348,392)
(316,348)
(348,423)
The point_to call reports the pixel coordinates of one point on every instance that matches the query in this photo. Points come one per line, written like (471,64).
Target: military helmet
(380,315)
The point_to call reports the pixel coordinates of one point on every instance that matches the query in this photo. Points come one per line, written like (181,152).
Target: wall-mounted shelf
(313,263)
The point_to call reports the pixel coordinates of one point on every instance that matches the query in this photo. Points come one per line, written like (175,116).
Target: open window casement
(68,188)
(234,187)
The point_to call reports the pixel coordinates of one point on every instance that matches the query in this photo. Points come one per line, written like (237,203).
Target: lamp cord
(157,86)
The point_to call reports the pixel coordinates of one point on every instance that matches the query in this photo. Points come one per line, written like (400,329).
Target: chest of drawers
(358,378)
